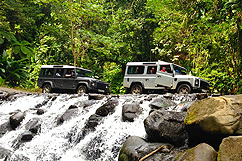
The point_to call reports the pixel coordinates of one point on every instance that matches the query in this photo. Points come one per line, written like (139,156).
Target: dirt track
(11,90)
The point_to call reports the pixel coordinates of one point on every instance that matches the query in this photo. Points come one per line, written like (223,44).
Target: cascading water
(53,141)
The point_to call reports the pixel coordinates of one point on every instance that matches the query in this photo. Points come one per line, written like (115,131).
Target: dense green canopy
(205,36)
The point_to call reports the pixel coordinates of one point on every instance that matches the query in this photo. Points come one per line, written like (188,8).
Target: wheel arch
(133,83)
(47,82)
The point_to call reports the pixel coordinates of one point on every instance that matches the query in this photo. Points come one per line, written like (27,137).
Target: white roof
(147,63)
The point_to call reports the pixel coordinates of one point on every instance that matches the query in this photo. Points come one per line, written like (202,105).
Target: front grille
(204,84)
(101,86)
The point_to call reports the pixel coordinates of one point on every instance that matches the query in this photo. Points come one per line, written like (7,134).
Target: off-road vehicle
(150,76)
(65,77)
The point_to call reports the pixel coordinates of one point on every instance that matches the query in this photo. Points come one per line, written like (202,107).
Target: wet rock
(161,103)
(90,126)
(33,125)
(4,128)
(72,107)
(93,121)
(107,108)
(230,148)
(4,153)
(16,119)
(201,152)
(134,148)
(70,113)
(4,95)
(210,120)
(201,96)
(166,126)
(27,136)
(95,96)
(40,111)
(41,104)
(130,111)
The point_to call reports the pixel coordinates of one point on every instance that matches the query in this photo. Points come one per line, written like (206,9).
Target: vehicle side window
(151,70)
(47,72)
(59,72)
(69,73)
(135,69)
(165,68)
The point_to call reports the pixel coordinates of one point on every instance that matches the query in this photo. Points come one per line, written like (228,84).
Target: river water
(53,141)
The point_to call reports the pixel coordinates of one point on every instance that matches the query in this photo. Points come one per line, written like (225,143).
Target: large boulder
(202,152)
(130,111)
(210,120)
(70,113)
(16,119)
(230,149)
(136,148)
(107,108)
(166,126)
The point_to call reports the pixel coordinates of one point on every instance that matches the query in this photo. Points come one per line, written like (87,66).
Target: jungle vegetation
(205,36)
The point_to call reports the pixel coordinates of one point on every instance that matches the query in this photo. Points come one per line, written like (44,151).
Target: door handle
(159,76)
(146,79)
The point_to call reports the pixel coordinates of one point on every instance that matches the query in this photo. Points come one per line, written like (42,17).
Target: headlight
(196,82)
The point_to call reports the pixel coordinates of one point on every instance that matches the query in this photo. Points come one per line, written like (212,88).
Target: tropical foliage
(204,36)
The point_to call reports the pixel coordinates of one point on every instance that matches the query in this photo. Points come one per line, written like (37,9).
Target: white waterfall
(52,142)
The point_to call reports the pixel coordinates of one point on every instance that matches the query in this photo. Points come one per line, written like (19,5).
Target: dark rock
(107,108)
(33,125)
(201,96)
(16,119)
(27,136)
(68,115)
(4,128)
(135,148)
(202,152)
(166,126)
(95,96)
(72,107)
(130,111)
(90,126)
(41,104)
(40,111)
(161,103)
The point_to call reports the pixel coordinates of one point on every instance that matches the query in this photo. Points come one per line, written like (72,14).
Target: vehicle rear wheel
(46,89)
(136,89)
(81,89)
(184,89)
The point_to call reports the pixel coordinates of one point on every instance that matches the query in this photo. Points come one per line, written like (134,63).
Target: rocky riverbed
(43,127)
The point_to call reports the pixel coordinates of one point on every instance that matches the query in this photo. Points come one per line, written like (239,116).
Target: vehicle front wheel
(81,89)
(46,89)
(184,89)
(136,89)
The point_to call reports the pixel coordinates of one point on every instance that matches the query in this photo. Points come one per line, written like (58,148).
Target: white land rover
(160,75)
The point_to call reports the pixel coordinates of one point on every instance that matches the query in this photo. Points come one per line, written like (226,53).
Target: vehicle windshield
(179,70)
(84,73)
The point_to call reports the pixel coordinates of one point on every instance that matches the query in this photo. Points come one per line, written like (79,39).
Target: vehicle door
(69,79)
(58,81)
(164,75)
(150,77)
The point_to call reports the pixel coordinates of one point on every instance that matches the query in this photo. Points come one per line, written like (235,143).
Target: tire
(136,89)
(81,89)
(184,89)
(46,88)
